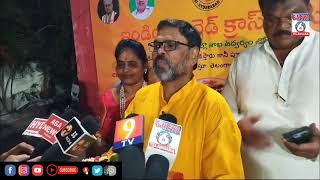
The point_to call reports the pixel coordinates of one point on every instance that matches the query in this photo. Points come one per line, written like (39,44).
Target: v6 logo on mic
(128,132)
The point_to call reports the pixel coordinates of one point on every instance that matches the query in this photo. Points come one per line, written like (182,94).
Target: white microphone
(164,138)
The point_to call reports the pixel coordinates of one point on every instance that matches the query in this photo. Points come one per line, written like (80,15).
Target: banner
(227,28)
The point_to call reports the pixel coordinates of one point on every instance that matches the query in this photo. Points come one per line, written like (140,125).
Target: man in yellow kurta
(210,141)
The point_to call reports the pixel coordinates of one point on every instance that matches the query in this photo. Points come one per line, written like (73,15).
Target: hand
(36,159)
(251,135)
(216,84)
(17,158)
(20,152)
(308,150)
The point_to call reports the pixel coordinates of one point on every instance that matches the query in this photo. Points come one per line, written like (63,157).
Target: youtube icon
(37,170)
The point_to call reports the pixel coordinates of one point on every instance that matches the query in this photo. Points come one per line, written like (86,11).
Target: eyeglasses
(169,45)
(276,20)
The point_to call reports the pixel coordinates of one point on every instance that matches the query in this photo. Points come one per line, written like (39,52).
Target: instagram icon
(24,170)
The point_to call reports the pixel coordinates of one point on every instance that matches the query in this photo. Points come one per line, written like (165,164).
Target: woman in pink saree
(131,68)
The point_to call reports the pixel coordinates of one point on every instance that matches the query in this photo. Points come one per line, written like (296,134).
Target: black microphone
(133,160)
(43,145)
(132,115)
(89,123)
(54,154)
(157,167)
(168,117)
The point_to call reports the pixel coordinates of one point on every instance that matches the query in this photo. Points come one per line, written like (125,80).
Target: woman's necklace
(122,99)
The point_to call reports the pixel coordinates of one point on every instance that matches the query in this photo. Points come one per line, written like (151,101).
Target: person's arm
(103,141)
(221,158)
(103,114)
(18,153)
(230,91)
(250,135)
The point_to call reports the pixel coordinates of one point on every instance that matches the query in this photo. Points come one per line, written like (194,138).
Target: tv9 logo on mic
(128,132)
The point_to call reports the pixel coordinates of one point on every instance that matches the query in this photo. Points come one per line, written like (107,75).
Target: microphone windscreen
(157,167)
(168,117)
(132,115)
(69,114)
(41,147)
(133,162)
(54,154)
(90,124)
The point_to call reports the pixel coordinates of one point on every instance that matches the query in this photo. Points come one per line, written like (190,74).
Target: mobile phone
(298,136)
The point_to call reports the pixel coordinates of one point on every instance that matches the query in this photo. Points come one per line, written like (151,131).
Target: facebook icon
(10,170)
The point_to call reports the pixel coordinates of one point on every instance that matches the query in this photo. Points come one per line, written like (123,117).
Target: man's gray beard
(173,73)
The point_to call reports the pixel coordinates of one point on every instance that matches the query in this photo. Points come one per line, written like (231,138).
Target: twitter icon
(97,170)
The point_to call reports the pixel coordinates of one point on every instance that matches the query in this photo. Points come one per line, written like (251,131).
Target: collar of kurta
(287,70)
(137,12)
(184,92)
(306,40)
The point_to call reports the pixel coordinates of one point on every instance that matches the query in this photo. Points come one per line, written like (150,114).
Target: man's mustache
(158,57)
(282,32)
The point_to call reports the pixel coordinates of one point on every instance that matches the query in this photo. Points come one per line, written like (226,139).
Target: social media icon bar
(110,170)
(37,170)
(10,170)
(97,170)
(23,170)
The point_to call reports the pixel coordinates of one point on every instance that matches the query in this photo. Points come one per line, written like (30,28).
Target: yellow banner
(227,27)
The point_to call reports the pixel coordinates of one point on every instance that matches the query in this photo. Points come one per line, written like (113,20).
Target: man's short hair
(268,4)
(107,2)
(186,29)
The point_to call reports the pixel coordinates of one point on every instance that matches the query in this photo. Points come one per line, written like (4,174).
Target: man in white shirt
(110,16)
(273,88)
(143,11)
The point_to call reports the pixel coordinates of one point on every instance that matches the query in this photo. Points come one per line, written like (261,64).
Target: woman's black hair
(136,47)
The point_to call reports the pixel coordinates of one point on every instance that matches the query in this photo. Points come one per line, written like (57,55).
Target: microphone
(34,127)
(168,117)
(133,162)
(157,167)
(110,155)
(54,124)
(164,142)
(73,139)
(132,115)
(129,132)
(54,154)
(43,145)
